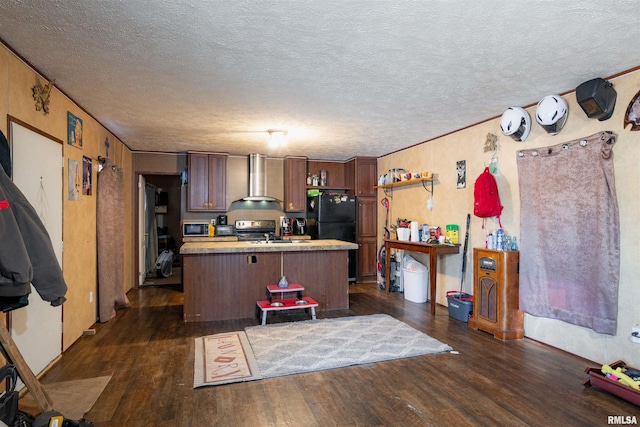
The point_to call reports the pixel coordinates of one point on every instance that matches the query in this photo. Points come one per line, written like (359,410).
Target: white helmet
(552,113)
(516,123)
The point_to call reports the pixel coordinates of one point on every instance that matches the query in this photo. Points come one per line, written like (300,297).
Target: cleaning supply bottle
(514,244)
(491,241)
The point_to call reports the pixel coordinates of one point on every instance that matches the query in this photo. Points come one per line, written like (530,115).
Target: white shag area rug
(313,345)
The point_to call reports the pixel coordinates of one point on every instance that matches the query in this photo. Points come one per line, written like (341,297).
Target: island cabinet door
(324,275)
(227,286)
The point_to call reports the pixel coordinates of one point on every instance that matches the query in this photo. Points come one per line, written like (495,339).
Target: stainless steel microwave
(191,228)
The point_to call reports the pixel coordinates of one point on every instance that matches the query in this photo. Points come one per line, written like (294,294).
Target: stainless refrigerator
(333,216)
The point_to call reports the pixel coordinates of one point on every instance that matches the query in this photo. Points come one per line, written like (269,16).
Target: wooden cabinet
(367,253)
(226,286)
(361,175)
(366,214)
(295,176)
(367,260)
(207,182)
(496,294)
(335,173)
(328,286)
(366,176)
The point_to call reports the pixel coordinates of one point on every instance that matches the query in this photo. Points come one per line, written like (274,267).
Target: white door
(37,172)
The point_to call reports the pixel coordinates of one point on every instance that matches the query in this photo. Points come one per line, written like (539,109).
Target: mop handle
(466,244)
(464,251)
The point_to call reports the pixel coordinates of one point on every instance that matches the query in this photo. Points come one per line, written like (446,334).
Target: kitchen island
(223,280)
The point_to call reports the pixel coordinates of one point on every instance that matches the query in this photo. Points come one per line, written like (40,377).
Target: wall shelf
(425,182)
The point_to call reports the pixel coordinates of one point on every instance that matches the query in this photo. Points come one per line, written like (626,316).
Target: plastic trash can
(415,280)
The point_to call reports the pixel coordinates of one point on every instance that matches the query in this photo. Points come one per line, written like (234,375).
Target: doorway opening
(161,197)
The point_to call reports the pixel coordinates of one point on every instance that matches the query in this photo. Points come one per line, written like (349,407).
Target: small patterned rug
(223,359)
(313,345)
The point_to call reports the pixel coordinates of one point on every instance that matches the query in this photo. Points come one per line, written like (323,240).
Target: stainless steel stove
(249,230)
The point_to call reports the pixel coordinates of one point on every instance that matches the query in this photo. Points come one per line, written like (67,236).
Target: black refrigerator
(333,216)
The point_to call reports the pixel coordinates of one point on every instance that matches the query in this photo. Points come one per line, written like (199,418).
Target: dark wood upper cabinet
(207,182)
(366,176)
(335,173)
(295,176)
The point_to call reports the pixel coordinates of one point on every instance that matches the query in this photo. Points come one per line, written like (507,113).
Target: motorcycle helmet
(551,113)
(597,98)
(516,123)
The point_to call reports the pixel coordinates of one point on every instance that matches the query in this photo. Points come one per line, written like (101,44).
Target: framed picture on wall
(86,175)
(74,130)
(461,173)
(74,179)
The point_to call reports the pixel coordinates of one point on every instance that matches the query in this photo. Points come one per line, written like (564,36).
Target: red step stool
(287,304)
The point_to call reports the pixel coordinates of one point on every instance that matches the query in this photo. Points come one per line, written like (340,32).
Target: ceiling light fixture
(278,137)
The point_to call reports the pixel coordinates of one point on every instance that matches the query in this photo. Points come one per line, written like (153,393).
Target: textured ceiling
(344,77)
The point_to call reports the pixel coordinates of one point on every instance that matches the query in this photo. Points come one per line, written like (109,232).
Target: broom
(464,253)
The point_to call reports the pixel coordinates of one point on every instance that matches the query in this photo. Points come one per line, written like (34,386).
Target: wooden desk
(433,249)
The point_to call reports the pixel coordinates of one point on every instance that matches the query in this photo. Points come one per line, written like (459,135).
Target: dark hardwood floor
(149,351)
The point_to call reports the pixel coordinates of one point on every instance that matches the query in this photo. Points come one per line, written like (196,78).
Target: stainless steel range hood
(258,180)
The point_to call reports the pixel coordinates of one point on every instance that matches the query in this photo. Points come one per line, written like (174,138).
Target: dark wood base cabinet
(366,260)
(227,286)
(496,294)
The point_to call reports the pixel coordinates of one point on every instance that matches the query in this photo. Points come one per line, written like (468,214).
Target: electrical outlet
(90,297)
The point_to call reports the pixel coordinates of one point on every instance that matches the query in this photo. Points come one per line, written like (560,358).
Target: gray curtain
(570,232)
(110,230)
(151,227)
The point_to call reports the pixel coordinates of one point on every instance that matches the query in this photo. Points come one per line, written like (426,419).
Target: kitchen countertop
(233,238)
(210,239)
(195,248)
(294,237)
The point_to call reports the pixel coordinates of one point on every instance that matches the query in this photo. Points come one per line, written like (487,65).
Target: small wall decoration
(461,172)
(74,179)
(86,175)
(632,116)
(74,130)
(41,95)
(491,144)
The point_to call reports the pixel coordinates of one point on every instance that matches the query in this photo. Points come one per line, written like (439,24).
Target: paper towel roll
(415,234)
